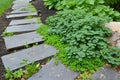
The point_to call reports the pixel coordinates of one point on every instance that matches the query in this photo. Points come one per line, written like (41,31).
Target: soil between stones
(39,5)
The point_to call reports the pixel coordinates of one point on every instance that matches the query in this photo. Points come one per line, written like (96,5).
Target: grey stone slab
(54,72)
(33,54)
(23,8)
(24,21)
(21,40)
(21,1)
(22,28)
(118,44)
(22,15)
(20,6)
(19,12)
(106,74)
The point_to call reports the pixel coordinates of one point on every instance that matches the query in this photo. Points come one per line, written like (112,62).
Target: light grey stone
(19,12)
(51,71)
(114,26)
(24,21)
(106,74)
(21,1)
(22,15)
(115,36)
(23,7)
(32,54)
(22,28)
(20,6)
(118,44)
(21,40)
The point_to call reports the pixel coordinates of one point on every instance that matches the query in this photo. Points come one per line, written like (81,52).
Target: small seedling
(13,75)
(36,44)
(7,34)
(27,46)
(30,69)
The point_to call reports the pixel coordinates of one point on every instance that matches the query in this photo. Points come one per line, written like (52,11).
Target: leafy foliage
(13,75)
(70,4)
(7,34)
(30,69)
(111,2)
(112,55)
(84,34)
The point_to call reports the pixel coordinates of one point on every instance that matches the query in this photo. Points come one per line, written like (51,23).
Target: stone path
(26,28)
(34,53)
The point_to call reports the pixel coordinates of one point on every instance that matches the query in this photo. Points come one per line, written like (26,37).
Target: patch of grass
(4,5)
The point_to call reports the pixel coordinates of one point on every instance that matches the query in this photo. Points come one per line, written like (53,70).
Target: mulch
(39,5)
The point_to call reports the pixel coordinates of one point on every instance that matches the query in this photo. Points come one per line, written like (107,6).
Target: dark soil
(4,23)
(45,12)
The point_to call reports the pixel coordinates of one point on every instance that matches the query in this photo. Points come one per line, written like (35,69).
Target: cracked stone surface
(21,40)
(32,54)
(106,74)
(51,71)
(22,28)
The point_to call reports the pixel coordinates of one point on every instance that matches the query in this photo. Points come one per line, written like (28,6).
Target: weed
(7,34)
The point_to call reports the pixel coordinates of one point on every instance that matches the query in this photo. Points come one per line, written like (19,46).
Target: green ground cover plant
(86,35)
(7,34)
(86,65)
(72,4)
(81,27)
(4,5)
(29,70)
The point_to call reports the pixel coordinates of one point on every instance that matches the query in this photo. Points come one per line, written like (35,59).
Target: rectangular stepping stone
(22,15)
(22,28)
(24,21)
(19,12)
(24,9)
(33,54)
(21,40)
(20,6)
(19,1)
(54,72)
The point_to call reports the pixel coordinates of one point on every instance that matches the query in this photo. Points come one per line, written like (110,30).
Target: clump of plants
(7,34)
(86,37)
(81,28)
(71,4)
(30,69)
